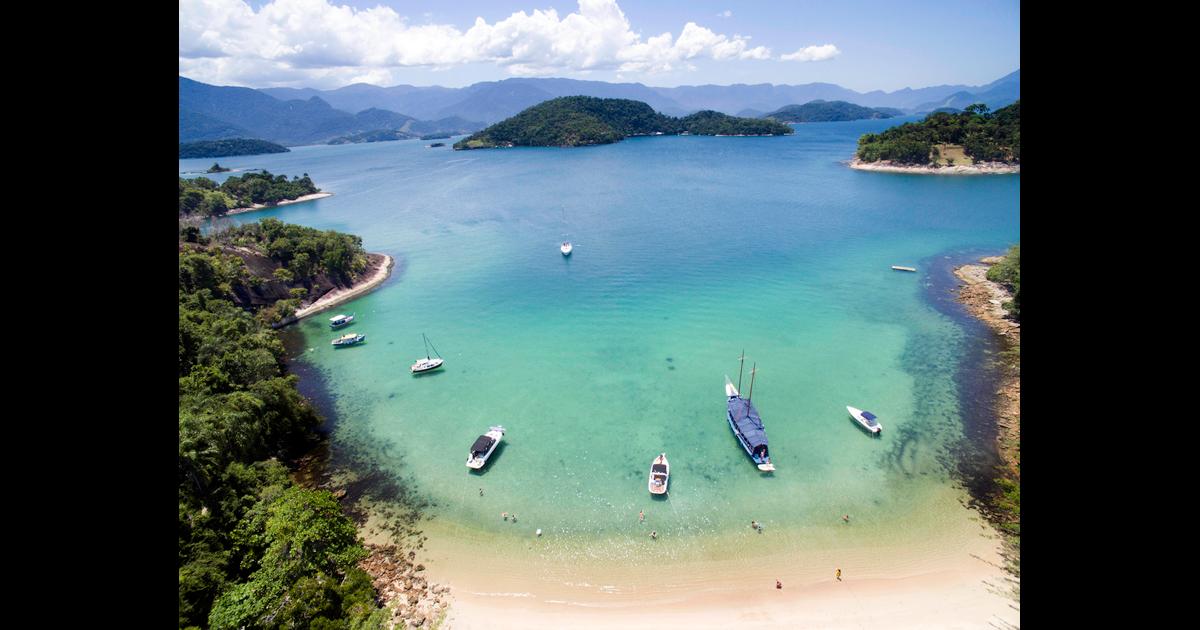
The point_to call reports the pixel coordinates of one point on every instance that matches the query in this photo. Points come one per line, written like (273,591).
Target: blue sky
(861,45)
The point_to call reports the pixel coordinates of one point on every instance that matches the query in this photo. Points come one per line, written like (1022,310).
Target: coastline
(985,168)
(378,270)
(983,299)
(261,206)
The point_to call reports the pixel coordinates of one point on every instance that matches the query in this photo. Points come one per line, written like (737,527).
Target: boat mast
(426,340)
(741,362)
(753,369)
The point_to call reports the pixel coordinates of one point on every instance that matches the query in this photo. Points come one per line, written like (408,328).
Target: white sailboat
(566,247)
(428,363)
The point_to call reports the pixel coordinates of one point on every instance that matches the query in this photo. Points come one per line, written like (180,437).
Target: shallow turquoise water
(687,251)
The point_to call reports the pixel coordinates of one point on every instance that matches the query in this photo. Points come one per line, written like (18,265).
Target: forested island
(255,548)
(572,121)
(829,111)
(225,148)
(217,168)
(203,197)
(972,137)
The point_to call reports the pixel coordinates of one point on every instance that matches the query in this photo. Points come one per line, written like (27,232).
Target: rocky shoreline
(982,168)
(401,584)
(984,299)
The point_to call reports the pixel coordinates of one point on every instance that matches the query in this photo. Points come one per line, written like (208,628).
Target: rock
(420,567)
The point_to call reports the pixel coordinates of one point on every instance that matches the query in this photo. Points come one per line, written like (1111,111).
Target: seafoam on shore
(982,168)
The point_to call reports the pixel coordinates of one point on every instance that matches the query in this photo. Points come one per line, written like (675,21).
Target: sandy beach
(378,270)
(261,206)
(985,168)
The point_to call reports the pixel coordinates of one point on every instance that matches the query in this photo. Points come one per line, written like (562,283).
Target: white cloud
(726,13)
(813,53)
(317,43)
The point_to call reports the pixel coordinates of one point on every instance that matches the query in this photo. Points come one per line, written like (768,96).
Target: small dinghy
(483,447)
(866,419)
(348,339)
(660,474)
(566,248)
(338,321)
(902,268)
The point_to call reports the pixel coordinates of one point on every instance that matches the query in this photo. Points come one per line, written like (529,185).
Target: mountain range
(294,116)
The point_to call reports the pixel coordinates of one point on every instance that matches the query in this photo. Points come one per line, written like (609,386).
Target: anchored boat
(866,419)
(348,339)
(746,424)
(428,363)
(566,248)
(484,446)
(660,474)
(337,321)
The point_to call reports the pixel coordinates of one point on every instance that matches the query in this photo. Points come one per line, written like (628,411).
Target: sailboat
(566,247)
(428,363)
(744,420)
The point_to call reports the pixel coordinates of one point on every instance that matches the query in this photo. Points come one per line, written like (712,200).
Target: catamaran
(348,339)
(484,446)
(660,474)
(744,420)
(428,363)
(866,419)
(337,321)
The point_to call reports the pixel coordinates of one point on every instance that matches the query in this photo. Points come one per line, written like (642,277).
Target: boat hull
(426,367)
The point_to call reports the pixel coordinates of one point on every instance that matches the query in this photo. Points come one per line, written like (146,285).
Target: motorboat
(348,339)
(660,474)
(566,248)
(337,321)
(484,446)
(866,419)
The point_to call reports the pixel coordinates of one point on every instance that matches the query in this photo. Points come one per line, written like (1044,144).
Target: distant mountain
(997,94)
(825,111)
(209,112)
(572,121)
(751,113)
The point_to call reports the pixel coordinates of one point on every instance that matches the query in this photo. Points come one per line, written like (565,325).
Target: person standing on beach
(839,575)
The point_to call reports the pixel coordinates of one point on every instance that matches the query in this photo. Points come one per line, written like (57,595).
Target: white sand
(338,296)
(260,206)
(985,168)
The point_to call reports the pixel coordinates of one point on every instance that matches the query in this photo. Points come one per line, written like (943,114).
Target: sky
(863,45)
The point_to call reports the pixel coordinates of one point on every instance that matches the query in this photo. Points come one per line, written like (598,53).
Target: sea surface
(688,251)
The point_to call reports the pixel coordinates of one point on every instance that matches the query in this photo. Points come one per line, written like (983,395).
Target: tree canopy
(571,121)
(202,196)
(224,148)
(985,137)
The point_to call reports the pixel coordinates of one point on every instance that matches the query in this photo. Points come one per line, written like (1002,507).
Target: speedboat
(338,321)
(566,248)
(866,419)
(348,339)
(484,446)
(660,475)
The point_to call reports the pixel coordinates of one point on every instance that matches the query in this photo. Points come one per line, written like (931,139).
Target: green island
(257,549)
(203,197)
(829,111)
(572,121)
(377,135)
(226,148)
(969,137)
(217,168)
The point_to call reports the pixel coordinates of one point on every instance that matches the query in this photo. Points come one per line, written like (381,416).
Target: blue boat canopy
(869,416)
(748,423)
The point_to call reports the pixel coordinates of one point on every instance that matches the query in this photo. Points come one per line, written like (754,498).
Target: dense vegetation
(204,197)
(224,148)
(377,135)
(826,111)
(984,136)
(217,168)
(584,120)
(255,550)
(1008,273)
